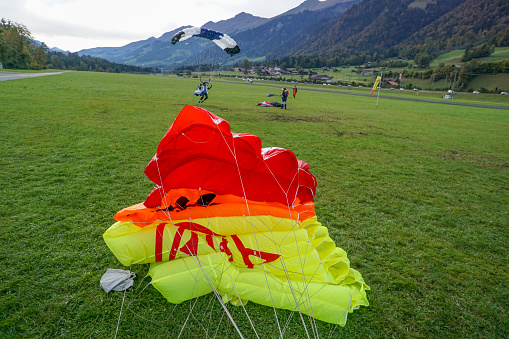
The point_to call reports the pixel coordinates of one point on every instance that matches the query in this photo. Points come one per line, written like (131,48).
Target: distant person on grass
(294,91)
(204,91)
(284,96)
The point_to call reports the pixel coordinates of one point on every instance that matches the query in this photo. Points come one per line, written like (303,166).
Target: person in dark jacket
(284,96)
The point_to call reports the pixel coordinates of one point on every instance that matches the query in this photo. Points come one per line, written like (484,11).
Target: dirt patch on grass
(314,119)
(364,134)
(481,160)
(178,105)
(289,118)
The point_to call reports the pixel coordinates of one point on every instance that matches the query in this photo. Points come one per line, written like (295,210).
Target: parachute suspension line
(233,152)
(278,248)
(120,314)
(190,313)
(121,307)
(201,268)
(313,324)
(137,295)
(220,321)
(211,305)
(311,315)
(308,299)
(214,290)
(305,284)
(332,330)
(218,245)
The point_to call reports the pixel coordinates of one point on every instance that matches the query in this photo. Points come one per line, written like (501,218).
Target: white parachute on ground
(222,40)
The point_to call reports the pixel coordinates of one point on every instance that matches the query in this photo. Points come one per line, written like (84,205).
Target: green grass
(454,57)
(449,58)
(416,193)
(500,54)
(483,99)
(491,82)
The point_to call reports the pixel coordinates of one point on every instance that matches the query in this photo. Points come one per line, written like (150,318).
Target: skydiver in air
(284,96)
(204,91)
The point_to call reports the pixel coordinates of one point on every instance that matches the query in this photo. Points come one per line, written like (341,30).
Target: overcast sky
(78,24)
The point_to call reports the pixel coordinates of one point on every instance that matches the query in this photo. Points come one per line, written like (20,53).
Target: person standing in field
(294,91)
(284,96)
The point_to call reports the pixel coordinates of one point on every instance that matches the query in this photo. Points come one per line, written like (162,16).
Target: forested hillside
(375,26)
(472,23)
(280,35)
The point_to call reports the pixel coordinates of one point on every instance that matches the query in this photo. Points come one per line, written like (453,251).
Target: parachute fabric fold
(181,280)
(191,277)
(199,151)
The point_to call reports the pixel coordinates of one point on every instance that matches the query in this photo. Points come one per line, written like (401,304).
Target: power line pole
(453,83)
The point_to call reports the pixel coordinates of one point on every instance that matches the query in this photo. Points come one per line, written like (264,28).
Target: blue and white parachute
(222,40)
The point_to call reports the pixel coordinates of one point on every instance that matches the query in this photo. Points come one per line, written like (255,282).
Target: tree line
(18,50)
(73,61)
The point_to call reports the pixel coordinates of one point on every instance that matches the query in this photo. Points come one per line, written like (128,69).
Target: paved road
(444,102)
(4,76)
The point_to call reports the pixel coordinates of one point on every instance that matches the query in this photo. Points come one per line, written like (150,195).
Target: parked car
(416,89)
(504,93)
(476,92)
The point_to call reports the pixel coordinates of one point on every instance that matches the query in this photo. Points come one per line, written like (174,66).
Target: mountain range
(332,27)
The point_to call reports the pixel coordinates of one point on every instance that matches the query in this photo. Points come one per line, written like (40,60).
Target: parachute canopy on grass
(230,217)
(222,40)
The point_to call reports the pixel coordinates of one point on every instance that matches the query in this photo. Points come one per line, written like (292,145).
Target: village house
(368,71)
(321,77)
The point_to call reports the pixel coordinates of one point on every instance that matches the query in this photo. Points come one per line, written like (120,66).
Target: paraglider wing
(222,40)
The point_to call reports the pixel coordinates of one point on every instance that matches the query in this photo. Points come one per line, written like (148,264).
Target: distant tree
(39,56)
(17,47)
(424,61)
(479,52)
(246,65)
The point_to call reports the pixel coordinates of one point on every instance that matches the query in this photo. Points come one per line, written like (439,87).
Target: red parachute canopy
(199,151)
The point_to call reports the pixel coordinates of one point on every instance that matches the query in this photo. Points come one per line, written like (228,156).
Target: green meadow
(454,57)
(417,194)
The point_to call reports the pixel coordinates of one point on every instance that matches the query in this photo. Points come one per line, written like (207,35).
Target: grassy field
(499,81)
(454,57)
(464,97)
(416,193)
